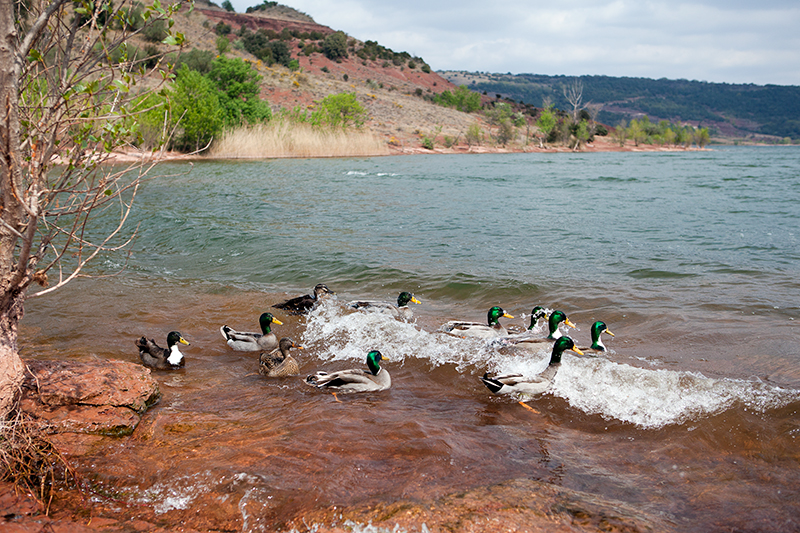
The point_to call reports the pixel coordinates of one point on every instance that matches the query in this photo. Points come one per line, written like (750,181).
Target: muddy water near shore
(691,260)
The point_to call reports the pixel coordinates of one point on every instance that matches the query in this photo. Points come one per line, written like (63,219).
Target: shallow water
(690,258)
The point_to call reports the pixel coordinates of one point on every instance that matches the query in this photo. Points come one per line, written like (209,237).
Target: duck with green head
(597,347)
(154,356)
(375,378)
(517,383)
(476,329)
(401,310)
(555,320)
(279,363)
(248,341)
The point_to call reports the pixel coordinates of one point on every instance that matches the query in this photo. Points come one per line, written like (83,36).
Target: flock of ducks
(276,361)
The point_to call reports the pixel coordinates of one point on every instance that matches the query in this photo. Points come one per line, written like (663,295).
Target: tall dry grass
(287,139)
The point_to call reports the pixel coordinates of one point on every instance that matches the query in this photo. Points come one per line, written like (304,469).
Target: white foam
(656,398)
(650,398)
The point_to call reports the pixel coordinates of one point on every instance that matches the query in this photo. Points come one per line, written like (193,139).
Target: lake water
(692,259)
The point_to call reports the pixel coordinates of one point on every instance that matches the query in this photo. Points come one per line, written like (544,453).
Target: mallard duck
(279,363)
(246,341)
(355,379)
(476,329)
(401,310)
(303,304)
(556,318)
(537,313)
(155,356)
(510,383)
(597,347)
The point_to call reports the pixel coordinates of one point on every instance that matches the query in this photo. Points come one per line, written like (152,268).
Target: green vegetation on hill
(767,110)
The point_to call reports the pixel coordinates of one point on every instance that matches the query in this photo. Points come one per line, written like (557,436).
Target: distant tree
(505,131)
(474,134)
(701,137)
(546,122)
(335,46)
(227,6)
(621,133)
(573,92)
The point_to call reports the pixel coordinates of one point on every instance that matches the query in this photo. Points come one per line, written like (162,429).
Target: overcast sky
(734,41)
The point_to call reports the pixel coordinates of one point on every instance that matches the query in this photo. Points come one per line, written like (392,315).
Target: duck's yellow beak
(413,299)
(507,315)
(276,321)
(567,322)
(576,350)
(183,341)
(300,347)
(384,358)
(609,332)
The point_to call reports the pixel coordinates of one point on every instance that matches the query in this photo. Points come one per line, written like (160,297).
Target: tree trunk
(11,367)
(11,298)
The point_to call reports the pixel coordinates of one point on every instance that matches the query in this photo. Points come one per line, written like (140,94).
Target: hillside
(764,113)
(392,93)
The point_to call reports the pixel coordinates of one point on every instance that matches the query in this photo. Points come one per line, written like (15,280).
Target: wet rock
(517,505)
(98,397)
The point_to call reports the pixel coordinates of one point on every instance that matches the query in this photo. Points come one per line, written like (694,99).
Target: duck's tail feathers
(491,383)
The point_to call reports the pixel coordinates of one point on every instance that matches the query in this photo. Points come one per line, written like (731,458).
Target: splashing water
(649,398)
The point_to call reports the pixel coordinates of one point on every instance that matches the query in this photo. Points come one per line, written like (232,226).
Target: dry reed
(286,139)
(29,460)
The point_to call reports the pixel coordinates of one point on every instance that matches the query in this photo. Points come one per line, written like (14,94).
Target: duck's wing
(511,383)
(244,336)
(353,377)
(298,305)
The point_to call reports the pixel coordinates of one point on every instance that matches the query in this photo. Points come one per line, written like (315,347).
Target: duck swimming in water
(517,383)
(538,313)
(597,347)
(401,310)
(355,379)
(279,363)
(476,329)
(155,356)
(304,304)
(556,318)
(247,341)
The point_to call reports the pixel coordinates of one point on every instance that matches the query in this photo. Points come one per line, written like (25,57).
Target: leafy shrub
(227,6)
(462,99)
(198,60)
(238,86)
(427,142)
(335,46)
(339,111)
(222,29)
(156,32)
(426,68)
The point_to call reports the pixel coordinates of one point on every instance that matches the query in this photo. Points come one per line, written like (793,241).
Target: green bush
(339,111)
(222,29)
(156,32)
(462,99)
(196,109)
(199,60)
(238,86)
(335,46)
